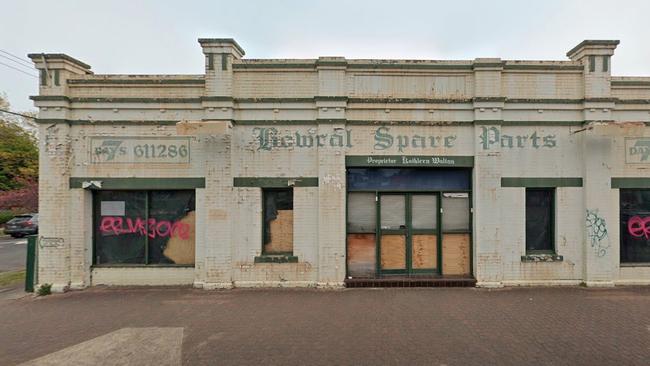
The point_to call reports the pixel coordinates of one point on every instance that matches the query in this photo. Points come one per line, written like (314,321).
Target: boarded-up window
(635,225)
(278,221)
(144,227)
(539,219)
(362,223)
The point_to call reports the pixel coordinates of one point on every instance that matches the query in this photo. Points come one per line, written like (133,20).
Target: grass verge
(11,278)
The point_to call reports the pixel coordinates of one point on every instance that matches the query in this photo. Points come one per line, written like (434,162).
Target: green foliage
(5,216)
(45,289)
(18,156)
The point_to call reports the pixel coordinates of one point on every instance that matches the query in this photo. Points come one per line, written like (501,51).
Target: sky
(160,37)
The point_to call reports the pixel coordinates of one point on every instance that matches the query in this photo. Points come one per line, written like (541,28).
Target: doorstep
(411,281)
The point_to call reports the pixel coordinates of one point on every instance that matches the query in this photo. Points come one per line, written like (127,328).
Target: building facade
(322,172)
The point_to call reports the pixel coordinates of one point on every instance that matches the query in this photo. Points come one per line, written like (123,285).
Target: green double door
(408,240)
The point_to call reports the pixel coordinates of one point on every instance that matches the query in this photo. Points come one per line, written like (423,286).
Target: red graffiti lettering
(638,226)
(151,227)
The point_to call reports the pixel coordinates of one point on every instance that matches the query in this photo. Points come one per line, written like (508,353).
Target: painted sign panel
(384,139)
(637,150)
(139,149)
(408,161)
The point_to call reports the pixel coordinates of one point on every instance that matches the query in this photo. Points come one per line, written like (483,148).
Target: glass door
(408,233)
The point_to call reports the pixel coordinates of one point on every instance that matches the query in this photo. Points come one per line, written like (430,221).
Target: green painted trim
(217,98)
(540,182)
(633,101)
(245,65)
(364,161)
(417,65)
(630,182)
(331,98)
(274,100)
(210,61)
(538,67)
(631,83)
(275,182)
(542,123)
(488,99)
(408,100)
(208,41)
(331,121)
(486,65)
(275,122)
(601,100)
(38,57)
(39,98)
(544,101)
(488,122)
(592,42)
(270,258)
(141,183)
(407,123)
(100,123)
(332,63)
(136,81)
(49,98)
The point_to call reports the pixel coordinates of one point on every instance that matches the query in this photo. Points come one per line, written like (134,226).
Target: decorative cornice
(105,122)
(36,57)
(136,81)
(205,41)
(592,42)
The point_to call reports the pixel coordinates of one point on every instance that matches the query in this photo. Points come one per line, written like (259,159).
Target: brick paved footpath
(517,326)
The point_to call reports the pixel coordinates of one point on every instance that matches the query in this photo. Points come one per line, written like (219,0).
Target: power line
(17,114)
(17,63)
(19,70)
(18,58)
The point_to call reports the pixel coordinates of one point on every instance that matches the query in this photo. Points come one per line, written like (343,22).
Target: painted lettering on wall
(637,150)
(385,140)
(116,225)
(269,138)
(492,137)
(639,226)
(597,232)
(139,150)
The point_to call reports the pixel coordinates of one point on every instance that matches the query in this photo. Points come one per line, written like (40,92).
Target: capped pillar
(219,56)
(595,56)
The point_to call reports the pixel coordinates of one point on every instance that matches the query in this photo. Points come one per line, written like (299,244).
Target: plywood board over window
(281,233)
(278,221)
(425,251)
(393,252)
(361,255)
(455,254)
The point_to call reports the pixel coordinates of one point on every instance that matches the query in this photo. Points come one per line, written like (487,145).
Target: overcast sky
(154,37)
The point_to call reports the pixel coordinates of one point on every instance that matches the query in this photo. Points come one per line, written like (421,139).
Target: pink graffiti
(153,228)
(638,226)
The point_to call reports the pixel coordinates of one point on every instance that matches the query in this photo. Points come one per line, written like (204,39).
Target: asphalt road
(12,253)
(445,326)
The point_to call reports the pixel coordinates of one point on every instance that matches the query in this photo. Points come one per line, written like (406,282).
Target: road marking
(21,242)
(155,346)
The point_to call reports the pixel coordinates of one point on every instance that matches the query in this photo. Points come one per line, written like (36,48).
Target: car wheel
(17,235)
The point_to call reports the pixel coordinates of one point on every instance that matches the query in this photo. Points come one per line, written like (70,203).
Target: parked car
(21,225)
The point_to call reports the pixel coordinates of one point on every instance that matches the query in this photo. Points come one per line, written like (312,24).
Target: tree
(18,151)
